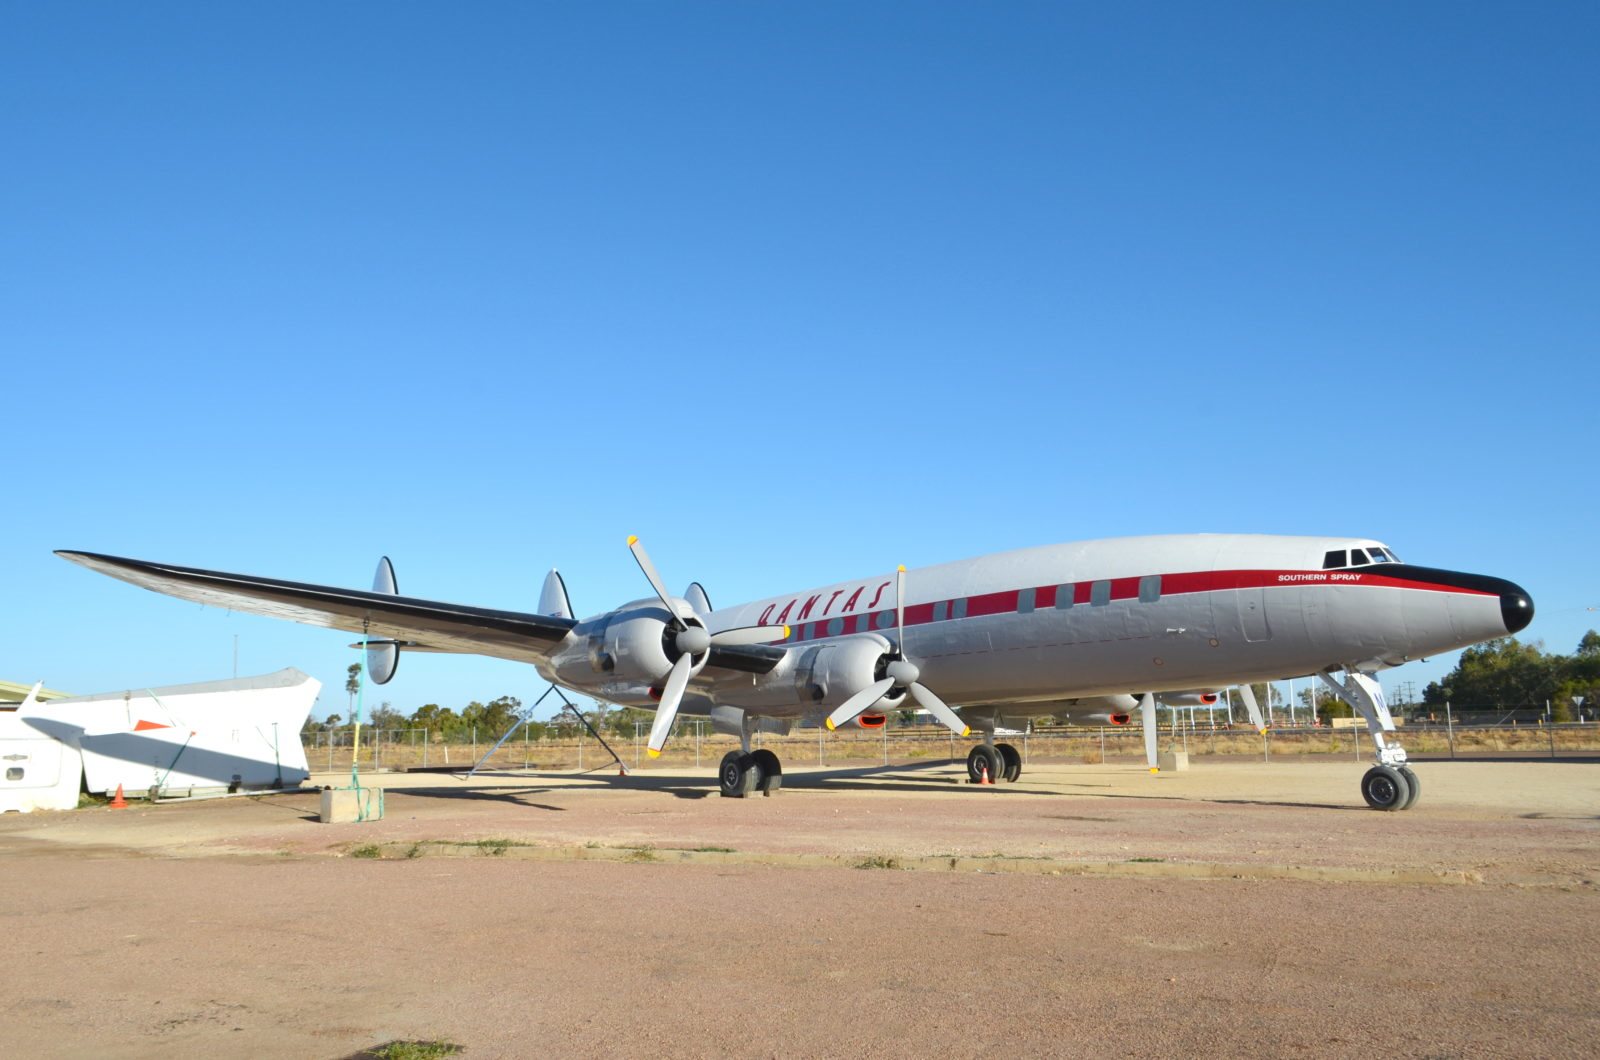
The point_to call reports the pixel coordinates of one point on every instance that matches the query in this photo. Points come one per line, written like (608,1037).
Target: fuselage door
(1252,605)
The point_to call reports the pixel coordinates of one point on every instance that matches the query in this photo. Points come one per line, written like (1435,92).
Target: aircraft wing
(424,624)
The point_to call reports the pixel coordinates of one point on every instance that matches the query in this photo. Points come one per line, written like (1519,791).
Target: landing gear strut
(1389,785)
(1000,761)
(745,772)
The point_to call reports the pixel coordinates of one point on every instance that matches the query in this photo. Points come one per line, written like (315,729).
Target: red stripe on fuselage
(1180,584)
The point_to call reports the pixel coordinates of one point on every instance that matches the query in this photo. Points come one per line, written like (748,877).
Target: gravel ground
(227,927)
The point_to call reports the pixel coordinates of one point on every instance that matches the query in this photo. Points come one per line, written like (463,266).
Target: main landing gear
(1389,785)
(745,772)
(1000,761)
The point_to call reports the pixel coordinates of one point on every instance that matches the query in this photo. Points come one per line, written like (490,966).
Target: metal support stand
(601,740)
(522,719)
(1363,692)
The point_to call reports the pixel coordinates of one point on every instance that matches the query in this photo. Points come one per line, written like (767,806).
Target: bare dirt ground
(1236,909)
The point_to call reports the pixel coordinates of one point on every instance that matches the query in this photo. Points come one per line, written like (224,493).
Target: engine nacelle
(1094,717)
(1189,699)
(816,679)
(870,720)
(631,645)
(1101,710)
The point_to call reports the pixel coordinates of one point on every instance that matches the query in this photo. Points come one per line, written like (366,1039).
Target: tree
(332,721)
(352,684)
(386,717)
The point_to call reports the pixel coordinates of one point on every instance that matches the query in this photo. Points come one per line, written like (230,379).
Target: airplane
(1084,630)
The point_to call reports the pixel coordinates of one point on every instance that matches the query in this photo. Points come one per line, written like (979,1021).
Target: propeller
(1248,694)
(692,641)
(899,672)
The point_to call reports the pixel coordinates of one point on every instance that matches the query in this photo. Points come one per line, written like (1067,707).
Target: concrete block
(1173,761)
(349,805)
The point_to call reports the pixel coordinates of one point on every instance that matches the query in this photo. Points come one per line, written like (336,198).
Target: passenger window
(1064,596)
(1025,602)
(13,772)
(1149,588)
(959,608)
(941,610)
(885,619)
(1333,560)
(1100,594)
(1358,557)
(835,626)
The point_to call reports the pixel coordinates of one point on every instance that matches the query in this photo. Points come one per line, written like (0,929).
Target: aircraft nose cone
(1516,607)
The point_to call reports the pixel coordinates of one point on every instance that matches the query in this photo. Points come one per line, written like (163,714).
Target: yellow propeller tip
(1154,769)
(785,632)
(829,724)
(901,568)
(966,732)
(653,752)
(633,539)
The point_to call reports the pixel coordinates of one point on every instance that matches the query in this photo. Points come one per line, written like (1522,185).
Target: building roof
(11,692)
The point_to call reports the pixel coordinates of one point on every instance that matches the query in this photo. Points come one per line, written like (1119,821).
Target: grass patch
(409,1051)
(711,850)
(87,801)
(415,851)
(878,861)
(1146,860)
(494,847)
(642,854)
(371,850)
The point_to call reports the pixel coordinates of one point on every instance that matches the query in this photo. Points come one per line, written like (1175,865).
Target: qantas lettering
(766,618)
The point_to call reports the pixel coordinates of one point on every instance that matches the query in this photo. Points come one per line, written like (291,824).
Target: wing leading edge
(426,623)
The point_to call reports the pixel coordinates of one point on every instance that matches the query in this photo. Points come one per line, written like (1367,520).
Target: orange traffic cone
(119,803)
(983,774)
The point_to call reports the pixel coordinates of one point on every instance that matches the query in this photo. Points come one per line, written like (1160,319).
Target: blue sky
(794,292)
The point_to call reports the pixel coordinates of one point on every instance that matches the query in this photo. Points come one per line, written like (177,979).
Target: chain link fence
(694,744)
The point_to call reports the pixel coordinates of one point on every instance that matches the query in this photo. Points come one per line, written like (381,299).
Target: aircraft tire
(983,756)
(769,769)
(738,775)
(1010,763)
(1414,784)
(1385,788)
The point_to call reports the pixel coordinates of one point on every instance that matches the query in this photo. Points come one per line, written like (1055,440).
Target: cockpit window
(1358,557)
(1378,554)
(1334,559)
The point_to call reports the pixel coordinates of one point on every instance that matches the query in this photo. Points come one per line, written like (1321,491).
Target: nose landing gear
(1389,785)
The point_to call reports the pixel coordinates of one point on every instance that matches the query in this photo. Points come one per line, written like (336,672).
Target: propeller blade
(1248,694)
(858,703)
(667,709)
(900,608)
(643,559)
(750,635)
(1147,708)
(939,709)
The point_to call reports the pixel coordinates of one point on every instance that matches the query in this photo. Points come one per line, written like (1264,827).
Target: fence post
(1550,723)
(1450,728)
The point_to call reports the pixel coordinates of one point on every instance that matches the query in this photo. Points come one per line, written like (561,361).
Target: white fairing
(244,731)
